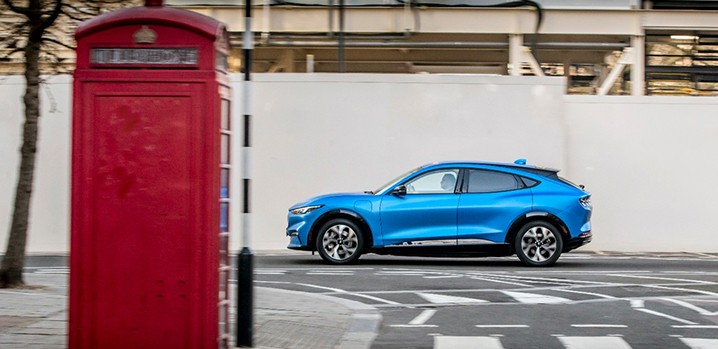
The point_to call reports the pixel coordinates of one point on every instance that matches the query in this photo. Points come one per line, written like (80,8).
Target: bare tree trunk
(14,260)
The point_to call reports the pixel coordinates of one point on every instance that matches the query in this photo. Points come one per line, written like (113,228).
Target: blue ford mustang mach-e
(461,209)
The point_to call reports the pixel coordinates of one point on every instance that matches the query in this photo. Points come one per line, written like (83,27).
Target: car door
(425,213)
(489,203)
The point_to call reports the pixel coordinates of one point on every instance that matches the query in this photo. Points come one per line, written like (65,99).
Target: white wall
(647,160)
(49,215)
(651,164)
(317,134)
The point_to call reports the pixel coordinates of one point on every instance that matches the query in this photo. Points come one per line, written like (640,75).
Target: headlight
(305,209)
(586,202)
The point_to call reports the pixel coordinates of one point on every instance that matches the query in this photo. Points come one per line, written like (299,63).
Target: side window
(491,181)
(529,182)
(435,182)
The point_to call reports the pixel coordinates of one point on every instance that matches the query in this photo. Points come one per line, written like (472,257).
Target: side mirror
(399,191)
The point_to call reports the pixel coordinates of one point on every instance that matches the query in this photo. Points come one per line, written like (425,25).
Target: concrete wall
(49,215)
(647,160)
(651,164)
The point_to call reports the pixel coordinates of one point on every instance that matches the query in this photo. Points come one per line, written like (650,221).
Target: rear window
(491,181)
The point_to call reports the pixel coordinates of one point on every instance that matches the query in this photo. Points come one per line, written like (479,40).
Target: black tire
(340,241)
(538,244)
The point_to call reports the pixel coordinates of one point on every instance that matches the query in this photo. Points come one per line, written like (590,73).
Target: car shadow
(391,261)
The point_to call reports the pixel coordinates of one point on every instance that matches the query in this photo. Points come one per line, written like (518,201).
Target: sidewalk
(37,318)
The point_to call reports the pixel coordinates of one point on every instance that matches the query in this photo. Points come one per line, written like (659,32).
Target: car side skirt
(445,250)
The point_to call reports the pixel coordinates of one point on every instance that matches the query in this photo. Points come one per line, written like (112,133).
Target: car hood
(323,199)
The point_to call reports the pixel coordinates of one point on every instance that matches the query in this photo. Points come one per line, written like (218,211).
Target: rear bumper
(579,241)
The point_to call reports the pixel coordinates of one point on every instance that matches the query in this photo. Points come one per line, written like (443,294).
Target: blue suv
(457,209)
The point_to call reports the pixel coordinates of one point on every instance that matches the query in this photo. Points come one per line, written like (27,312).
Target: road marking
(351,293)
(502,326)
(451,276)
(598,326)
(327,273)
(423,317)
(637,303)
(594,342)
(688,290)
(662,278)
(696,326)
(452,342)
(700,343)
(414,326)
(586,293)
(444,299)
(499,281)
(653,312)
(531,298)
(691,306)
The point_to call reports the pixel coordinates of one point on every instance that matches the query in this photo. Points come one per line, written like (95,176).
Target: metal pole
(245,290)
(342,62)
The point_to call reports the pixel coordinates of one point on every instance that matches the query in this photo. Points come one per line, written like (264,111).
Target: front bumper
(298,232)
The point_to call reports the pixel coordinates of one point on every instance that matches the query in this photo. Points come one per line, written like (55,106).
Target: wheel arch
(533,217)
(341,213)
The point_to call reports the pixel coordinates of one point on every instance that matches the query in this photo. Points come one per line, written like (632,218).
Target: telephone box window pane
(225,150)
(224,216)
(224,183)
(225,124)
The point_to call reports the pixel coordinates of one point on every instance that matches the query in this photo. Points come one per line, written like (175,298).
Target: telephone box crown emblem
(145,35)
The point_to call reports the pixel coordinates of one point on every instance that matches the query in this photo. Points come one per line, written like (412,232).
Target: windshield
(394,181)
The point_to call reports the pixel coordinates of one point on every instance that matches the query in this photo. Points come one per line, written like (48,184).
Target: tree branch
(58,42)
(51,19)
(17,9)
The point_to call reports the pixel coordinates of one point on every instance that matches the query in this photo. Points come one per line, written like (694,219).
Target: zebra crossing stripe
(531,298)
(594,343)
(451,342)
(444,299)
(700,343)
(469,342)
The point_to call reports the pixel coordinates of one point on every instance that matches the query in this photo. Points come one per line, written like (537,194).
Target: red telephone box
(150,182)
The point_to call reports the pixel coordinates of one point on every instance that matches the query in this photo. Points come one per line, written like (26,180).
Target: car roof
(544,171)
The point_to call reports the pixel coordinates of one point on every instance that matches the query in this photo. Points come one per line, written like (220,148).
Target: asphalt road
(585,301)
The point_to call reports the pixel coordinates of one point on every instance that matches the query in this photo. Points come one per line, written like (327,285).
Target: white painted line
(351,293)
(443,277)
(691,307)
(269,282)
(499,281)
(594,342)
(503,326)
(661,278)
(700,343)
(598,326)
(688,290)
(652,312)
(444,299)
(423,317)
(450,342)
(586,293)
(544,280)
(637,303)
(697,327)
(330,274)
(531,298)
(414,326)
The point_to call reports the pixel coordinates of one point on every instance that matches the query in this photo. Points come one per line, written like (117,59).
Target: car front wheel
(538,244)
(340,241)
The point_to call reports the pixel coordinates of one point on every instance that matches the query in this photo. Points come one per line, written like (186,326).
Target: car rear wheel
(340,241)
(538,244)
